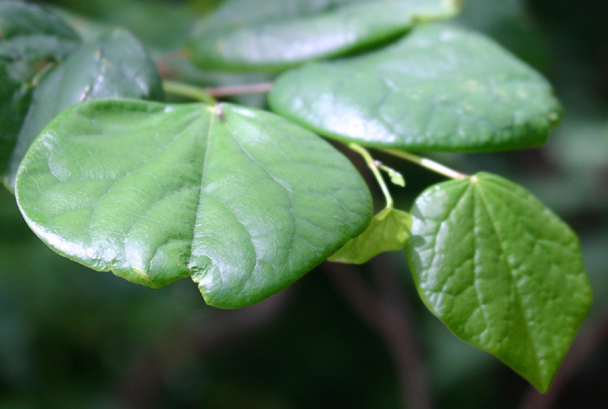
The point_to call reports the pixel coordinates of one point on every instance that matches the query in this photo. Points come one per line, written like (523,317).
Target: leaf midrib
(201,191)
(479,190)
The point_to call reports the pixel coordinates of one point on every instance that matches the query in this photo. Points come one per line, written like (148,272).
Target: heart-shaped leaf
(388,231)
(242,200)
(114,66)
(272,35)
(438,89)
(501,271)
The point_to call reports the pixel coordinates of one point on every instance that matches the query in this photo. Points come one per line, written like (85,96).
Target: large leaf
(388,231)
(501,271)
(272,35)
(438,89)
(29,33)
(242,200)
(114,66)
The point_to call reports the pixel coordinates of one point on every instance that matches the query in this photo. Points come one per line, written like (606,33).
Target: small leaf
(114,66)
(242,200)
(438,89)
(272,35)
(388,231)
(396,177)
(501,271)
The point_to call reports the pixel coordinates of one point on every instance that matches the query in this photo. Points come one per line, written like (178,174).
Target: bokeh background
(342,337)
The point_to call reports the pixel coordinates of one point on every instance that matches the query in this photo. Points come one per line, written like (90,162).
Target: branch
(389,313)
(200,336)
(208,95)
(229,90)
(188,91)
(373,166)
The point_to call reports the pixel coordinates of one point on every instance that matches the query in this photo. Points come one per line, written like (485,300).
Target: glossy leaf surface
(388,231)
(114,66)
(272,35)
(242,200)
(501,271)
(438,89)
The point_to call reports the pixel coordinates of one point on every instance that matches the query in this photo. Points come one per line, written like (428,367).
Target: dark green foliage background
(74,338)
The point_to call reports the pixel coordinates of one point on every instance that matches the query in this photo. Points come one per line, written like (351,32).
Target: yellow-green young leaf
(272,35)
(438,89)
(116,65)
(388,231)
(501,270)
(242,200)
(396,177)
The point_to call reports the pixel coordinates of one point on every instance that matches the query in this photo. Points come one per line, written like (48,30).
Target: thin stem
(239,89)
(190,91)
(427,163)
(208,95)
(373,165)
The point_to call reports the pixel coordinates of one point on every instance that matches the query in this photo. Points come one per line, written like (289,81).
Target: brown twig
(402,336)
(387,312)
(230,90)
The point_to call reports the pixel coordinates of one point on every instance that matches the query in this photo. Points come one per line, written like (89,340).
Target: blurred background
(342,337)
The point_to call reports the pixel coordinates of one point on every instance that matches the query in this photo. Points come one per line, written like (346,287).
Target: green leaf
(15,99)
(272,35)
(438,89)
(242,200)
(388,231)
(114,66)
(21,19)
(29,36)
(396,177)
(501,270)
(162,26)
(30,33)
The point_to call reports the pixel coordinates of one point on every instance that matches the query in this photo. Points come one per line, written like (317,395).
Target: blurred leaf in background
(162,25)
